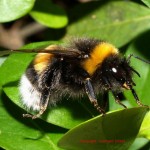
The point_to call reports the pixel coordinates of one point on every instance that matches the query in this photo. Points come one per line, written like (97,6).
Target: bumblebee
(85,66)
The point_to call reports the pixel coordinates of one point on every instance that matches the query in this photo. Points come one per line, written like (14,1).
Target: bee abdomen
(30,96)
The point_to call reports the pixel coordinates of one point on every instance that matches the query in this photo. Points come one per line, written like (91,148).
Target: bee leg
(114,94)
(90,93)
(137,99)
(105,100)
(118,100)
(43,107)
(42,110)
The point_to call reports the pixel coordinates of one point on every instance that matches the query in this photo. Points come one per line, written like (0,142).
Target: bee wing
(53,49)
(5,52)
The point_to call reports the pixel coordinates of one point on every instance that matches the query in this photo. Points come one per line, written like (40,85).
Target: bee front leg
(137,99)
(114,93)
(90,93)
(118,100)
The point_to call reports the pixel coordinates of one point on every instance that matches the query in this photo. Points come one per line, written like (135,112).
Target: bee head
(117,72)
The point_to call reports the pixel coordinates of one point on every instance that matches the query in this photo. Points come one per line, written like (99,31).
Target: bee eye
(114,70)
(118,73)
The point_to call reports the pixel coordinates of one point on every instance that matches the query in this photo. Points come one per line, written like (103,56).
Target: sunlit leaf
(145,128)
(12,10)
(147,2)
(49,14)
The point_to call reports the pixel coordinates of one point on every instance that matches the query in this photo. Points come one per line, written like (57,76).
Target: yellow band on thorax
(42,60)
(97,55)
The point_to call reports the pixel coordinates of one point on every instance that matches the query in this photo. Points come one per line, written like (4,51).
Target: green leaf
(113,131)
(11,10)
(115,21)
(49,14)
(64,115)
(138,144)
(18,133)
(145,127)
(147,2)
(140,47)
(2,59)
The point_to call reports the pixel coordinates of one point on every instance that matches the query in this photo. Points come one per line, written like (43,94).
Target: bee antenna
(135,71)
(131,55)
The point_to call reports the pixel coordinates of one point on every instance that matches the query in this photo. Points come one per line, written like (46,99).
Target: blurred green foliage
(125,24)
